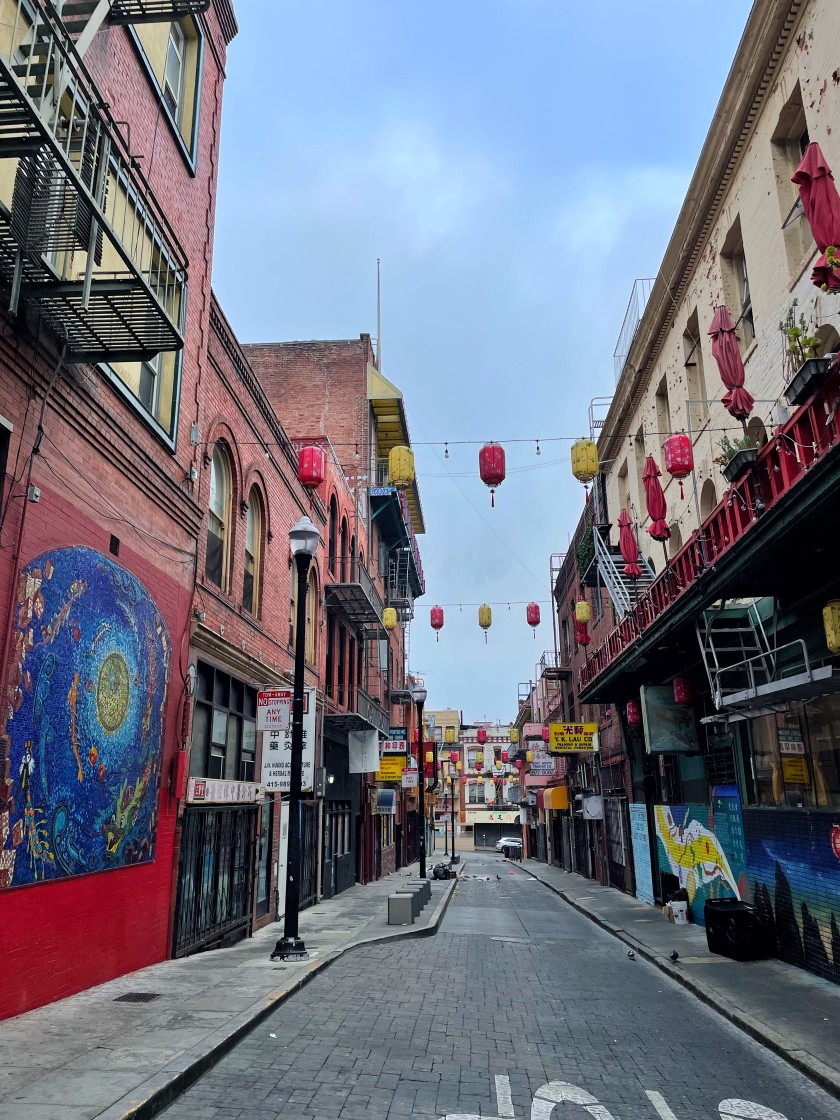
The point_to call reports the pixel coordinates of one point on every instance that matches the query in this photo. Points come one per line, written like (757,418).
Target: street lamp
(447,792)
(304,539)
(418,695)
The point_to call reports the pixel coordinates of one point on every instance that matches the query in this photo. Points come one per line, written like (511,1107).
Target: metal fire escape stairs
(750,673)
(85,238)
(624,591)
(399,584)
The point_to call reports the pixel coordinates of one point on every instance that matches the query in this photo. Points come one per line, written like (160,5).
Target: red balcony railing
(792,450)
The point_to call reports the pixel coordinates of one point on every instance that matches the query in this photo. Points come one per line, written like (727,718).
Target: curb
(159,1091)
(815,1070)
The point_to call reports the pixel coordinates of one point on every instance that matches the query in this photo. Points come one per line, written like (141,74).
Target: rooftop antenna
(378,317)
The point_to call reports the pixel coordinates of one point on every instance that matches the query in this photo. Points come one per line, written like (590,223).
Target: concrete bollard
(426,886)
(400,910)
(416,898)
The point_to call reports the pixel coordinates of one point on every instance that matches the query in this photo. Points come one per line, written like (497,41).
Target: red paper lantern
(634,713)
(465,779)
(504,756)
(481,736)
(682,691)
(311,467)
(679,457)
(491,467)
(582,633)
(545,735)
(519,764)
(532,613)
(436,618)
(453,757)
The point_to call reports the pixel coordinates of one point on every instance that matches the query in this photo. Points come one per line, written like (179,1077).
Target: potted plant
(804,368)
(736,456)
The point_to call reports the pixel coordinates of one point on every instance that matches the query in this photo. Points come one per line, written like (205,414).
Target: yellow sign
(391,767)
(795,770)
(566,738)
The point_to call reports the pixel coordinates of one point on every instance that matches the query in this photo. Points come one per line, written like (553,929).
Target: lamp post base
(455,859)
(290,949)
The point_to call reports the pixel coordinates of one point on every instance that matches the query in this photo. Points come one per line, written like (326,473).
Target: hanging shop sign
(398,733)
(408,779)
(393,746)
(215,791)
(790,741)
(274,709)
(670,728)
(565,738)
(363,751)
(391,768)
(276,771)
(795,770)
(494,816)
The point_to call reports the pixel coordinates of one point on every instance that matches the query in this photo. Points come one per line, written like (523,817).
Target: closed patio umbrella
(736,400)
(629,545)
(821,204)
(657,507)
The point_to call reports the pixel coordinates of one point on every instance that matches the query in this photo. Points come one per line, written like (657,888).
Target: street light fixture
(418,695)
(304,539)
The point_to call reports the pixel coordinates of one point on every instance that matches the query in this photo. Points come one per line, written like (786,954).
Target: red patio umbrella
(821,204)
(655,497)
(725,351)
(629,545)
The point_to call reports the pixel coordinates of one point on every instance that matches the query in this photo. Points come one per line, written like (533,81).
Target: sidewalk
(792,1012)
(94,1055)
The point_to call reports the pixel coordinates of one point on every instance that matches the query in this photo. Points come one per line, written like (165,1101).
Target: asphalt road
(518,1007)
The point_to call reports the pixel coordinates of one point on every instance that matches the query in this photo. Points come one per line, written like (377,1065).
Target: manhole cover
(137,997)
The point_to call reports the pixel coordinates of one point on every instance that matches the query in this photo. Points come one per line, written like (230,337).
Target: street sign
(277,751)
(409,779)
(398,733)
(568,738)
(274,709)
(391,767)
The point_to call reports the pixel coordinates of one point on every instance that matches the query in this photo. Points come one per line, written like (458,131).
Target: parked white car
(505,840)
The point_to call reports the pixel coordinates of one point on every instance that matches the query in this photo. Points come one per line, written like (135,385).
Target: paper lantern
(683,693)
(831,625)
(583,611)
(532,614)
(491,467)
(514,735)
(545,734)
(581,634)
(679,457)
(584,460)
(529,756)
(519,764)
(465,779)
(436,619)
(498,764)
(453,757)
(479,757)
(458,767)
(389,618)
(634,713)
(401,467)
(485,618)
(430,756)
(450,736)
(311,467)
(504,756)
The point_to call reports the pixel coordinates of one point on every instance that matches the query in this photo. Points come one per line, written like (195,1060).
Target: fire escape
(624,591)
(84,237)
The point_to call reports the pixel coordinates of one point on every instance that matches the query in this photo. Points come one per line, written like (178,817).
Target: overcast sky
(516,164)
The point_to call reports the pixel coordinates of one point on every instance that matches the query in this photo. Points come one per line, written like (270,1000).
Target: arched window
(312,619)
(333,532)
(343,558)
(675,542)
(217,563)
(251,584)
(708,499)
(353,575)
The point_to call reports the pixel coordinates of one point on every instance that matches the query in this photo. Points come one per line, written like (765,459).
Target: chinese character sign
(571,737)
(277,752)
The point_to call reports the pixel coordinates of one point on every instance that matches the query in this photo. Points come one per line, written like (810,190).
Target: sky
(516,165)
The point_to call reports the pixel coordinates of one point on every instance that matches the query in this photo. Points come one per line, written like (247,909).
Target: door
(282,859)
(264,857)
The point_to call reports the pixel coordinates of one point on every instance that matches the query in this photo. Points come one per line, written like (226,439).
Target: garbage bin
(733,929)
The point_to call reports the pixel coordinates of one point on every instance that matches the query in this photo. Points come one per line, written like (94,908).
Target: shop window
(217,563)
(695,379)
(793,758)
(251,588)
(736,282)
(788,144)
(224,730)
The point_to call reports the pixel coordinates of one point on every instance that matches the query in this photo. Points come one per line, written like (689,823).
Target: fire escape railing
(788,456)
(85,237)
(155,11)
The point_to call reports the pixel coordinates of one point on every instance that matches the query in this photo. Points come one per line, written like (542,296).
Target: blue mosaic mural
(83,737)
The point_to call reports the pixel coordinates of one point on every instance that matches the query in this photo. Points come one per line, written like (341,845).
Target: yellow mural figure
(694,853)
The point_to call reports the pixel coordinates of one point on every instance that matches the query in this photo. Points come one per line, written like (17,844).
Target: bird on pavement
(674,955)
(631,954)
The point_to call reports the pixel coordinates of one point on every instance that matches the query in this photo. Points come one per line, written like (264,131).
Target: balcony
(772,522)
(356,596)
(552,666)
(392,510)
(362,713)
(82,235)
(145,11)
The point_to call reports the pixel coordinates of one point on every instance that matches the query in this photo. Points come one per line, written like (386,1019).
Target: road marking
(504,1101)
(735,1109)
(660,1104)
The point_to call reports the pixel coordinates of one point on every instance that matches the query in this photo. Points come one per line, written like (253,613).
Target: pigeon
(674,955)
(631,954)
(498,876)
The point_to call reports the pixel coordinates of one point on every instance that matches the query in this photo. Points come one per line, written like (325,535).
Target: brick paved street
(516,991)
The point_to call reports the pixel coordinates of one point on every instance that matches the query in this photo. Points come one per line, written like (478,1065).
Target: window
(149,391)
(736,282)
(5,440)
(695,380)
(173,77)
(224,731)
(475,793)
(218,519)
(675,542)
(663,412)
(708,499)
(639,452)
(312,619)
(329,667)
(788,144)
(343,556)
(792,758)
(253,546)
(623,486)
(333,531)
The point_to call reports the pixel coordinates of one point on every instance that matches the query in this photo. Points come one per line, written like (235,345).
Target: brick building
(100,508)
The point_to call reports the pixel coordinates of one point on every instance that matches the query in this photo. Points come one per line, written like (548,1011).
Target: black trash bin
(733,929)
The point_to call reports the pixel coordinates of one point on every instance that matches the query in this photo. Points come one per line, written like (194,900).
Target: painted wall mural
(793,858)
(689,847)
(81,737)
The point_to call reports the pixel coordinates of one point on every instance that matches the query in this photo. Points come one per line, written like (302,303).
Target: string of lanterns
(485,618)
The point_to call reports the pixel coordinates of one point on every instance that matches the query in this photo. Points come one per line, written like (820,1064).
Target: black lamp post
(454,786)
(447,793)
(303,541)
(418,695)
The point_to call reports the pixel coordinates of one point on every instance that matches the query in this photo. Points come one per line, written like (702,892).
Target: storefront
(342,818)
(490,825)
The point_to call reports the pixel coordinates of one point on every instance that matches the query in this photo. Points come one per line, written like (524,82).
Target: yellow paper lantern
(479,757)
(458,767)
(584,460)
(430,756)
(831,624)
(529,756)
(498,764)
(514,735)
(485,618)
(583,611)
(389,618)
(449,736)
(401,467)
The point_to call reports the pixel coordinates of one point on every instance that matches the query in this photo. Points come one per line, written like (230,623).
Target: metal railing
(155,11)
(352,570)
(750,680)
(632,317)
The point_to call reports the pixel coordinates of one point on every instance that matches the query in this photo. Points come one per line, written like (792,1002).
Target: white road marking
(660,1104)
(735,1109)
(504,1102)
(560,1092)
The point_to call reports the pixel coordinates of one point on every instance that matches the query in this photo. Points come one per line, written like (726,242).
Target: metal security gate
(617,821)
(215,877)
(308,853)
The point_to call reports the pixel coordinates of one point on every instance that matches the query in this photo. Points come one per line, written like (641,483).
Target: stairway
(624,591)
(736,650)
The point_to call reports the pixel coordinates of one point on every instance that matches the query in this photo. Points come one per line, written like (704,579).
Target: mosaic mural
(82,732)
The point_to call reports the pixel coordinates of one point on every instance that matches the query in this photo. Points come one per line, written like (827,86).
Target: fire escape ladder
(624,591)
(399,586)
(737,652)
